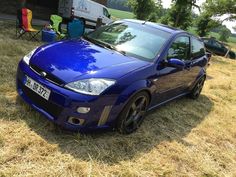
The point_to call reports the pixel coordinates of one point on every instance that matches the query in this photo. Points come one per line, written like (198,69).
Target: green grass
(183,138)
(118,14)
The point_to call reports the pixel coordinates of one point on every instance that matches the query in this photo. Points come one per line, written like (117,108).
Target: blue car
(111,77)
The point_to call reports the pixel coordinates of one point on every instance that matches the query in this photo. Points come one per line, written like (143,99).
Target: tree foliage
(212,8)
(180,14)
(142,8)
(221,7)
(120,5)
(234,28)
(205,24)
(225,33)
(158,12)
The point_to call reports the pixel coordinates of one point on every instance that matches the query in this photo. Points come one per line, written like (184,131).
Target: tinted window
(206,41)
(217,44)
(105,12)
(135,40)
(180,49)
(198,49)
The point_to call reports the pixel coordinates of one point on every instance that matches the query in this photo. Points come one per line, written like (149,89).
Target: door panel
(198,59)
(171,81)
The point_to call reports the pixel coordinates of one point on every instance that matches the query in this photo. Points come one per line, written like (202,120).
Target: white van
(87,10)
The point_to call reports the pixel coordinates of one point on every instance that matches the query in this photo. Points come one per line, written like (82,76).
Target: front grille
(51,108)
(49,77)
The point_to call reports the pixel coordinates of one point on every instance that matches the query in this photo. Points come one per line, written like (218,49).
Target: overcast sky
(167,3)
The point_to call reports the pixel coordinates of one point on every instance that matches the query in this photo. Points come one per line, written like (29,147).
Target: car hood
(79,59)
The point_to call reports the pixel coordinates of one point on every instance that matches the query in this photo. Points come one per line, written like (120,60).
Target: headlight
(90,86)
(27,57)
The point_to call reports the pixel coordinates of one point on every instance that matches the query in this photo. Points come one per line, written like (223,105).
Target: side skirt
(164,102)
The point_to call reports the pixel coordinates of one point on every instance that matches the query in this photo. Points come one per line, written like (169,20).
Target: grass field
(118,14)
(182,138)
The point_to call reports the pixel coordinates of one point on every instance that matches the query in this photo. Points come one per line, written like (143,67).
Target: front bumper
(63,103)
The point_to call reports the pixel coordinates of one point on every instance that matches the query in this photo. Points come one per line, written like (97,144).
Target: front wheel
(133,114)
(195,93)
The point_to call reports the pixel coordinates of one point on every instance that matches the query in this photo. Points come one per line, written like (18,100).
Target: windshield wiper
(94,41)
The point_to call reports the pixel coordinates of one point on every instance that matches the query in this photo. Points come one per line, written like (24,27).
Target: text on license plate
(37,88)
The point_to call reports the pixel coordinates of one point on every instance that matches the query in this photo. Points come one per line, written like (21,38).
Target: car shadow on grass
(171,122)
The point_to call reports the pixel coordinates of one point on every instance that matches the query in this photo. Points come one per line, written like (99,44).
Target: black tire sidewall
(122,117)
(192,94)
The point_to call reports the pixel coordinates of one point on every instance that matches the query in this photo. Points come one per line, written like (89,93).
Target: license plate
(37,88)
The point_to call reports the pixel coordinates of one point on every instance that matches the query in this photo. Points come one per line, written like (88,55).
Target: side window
(180,49)
(206,41)
(197,48)
(217,44)
(105,12)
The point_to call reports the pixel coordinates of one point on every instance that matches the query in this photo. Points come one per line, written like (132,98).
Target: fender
(201,74)
(128,93)
(133,89)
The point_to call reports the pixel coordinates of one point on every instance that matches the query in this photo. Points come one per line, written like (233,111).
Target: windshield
(130,39)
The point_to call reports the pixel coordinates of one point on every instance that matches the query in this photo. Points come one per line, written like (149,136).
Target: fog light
(83,110)
(76,121)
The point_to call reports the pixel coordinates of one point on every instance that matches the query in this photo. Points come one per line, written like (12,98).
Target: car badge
(43,74)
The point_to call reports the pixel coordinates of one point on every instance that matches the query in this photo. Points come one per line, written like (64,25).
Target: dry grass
(183,138)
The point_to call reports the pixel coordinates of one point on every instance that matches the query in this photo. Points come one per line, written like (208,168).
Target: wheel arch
(201,74)
(130,92)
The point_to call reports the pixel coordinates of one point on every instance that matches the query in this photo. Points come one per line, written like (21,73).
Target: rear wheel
(195,93)
(232,55)
(133,114)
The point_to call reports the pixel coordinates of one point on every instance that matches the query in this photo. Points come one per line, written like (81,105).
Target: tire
(133,114)
(196,91)
(232,55)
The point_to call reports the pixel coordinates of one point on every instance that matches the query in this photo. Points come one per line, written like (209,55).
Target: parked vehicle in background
(112,76)
(87,10)
(215,47)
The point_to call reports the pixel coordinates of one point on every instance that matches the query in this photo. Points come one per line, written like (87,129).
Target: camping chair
(56,22)
(23,24)
(75,29)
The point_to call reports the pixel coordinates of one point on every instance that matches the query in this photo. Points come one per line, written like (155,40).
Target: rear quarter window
(197,48)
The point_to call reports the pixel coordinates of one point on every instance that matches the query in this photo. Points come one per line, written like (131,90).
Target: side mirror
(109,16)
(176,63)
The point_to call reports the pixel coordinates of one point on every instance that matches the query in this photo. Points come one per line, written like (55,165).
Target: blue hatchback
(113,76)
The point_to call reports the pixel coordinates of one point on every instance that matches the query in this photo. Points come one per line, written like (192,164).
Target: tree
(120,5)
(234,28)
(225,33)
(180,14)
(221,7)
(153,17)
(205,24)
(157,13)
(142,8)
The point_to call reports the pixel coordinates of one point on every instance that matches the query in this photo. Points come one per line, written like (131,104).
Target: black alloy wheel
(133,114)
(198,88)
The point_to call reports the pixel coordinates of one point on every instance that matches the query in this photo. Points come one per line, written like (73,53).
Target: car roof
(157,26)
